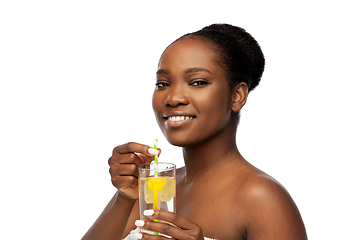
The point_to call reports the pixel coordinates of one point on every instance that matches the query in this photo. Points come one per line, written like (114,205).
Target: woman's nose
(176,96)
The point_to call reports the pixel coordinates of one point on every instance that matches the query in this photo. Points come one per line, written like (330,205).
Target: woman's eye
(199,83)
(161,85)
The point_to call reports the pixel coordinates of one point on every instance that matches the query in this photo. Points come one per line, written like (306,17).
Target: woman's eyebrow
(195,70)
(162,71)
(187,71)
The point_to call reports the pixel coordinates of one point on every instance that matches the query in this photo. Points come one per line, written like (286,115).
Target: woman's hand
(124,164)
(176,227)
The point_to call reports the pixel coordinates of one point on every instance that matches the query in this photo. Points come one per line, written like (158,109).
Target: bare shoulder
(270,211)
(259,186)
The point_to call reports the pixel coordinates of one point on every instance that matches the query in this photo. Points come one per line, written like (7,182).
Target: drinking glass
(157,187)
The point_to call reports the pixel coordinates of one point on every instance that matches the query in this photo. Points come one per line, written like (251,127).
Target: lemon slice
(168,191)
(149,195)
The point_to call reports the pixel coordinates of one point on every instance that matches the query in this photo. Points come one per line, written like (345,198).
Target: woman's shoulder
(256,182)
(266,204)
(257,186)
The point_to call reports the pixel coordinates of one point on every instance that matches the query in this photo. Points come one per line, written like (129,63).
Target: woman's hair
(238,53)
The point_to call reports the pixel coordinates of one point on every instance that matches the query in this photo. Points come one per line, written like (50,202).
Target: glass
(157,187)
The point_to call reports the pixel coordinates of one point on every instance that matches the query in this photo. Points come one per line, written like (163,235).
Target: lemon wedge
(168,191)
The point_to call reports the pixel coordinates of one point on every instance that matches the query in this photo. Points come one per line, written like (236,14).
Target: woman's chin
(179,141)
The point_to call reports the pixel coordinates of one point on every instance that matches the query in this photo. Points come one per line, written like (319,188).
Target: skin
(219,194)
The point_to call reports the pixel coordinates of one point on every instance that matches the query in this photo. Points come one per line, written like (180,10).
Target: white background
(77,79)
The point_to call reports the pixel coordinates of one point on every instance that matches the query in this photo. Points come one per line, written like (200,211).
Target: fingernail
(153,151)
(139,223)
(138,235)
(148,212)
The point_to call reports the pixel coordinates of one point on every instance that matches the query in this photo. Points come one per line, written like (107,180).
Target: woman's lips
(177,119)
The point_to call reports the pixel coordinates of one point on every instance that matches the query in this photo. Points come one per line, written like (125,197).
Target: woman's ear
(239,96)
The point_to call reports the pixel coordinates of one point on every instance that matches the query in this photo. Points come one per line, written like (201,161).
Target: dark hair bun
(239,53)
(249,45)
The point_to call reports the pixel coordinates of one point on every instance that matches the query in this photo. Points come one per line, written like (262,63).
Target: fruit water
(157,193)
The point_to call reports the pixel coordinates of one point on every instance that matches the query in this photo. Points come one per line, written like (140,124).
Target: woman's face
(191,100)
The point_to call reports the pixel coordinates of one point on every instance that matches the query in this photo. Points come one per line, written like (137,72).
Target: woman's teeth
(179,118)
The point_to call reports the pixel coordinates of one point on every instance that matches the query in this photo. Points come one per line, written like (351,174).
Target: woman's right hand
(124,164)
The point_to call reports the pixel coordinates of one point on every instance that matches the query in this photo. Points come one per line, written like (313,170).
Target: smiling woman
(190,83)
(203,80)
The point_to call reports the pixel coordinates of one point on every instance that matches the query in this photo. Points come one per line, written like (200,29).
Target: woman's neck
(210,154)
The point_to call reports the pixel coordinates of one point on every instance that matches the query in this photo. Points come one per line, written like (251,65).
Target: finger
(124,170)
(145,158)
(123,182)
(126,158)
(159,149)
(148,159)
(161,227)
(170,217)
(133,147)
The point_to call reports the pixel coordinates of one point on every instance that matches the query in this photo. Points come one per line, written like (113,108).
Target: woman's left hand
(183,229)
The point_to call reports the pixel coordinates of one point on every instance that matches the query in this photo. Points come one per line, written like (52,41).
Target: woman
(203,81)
